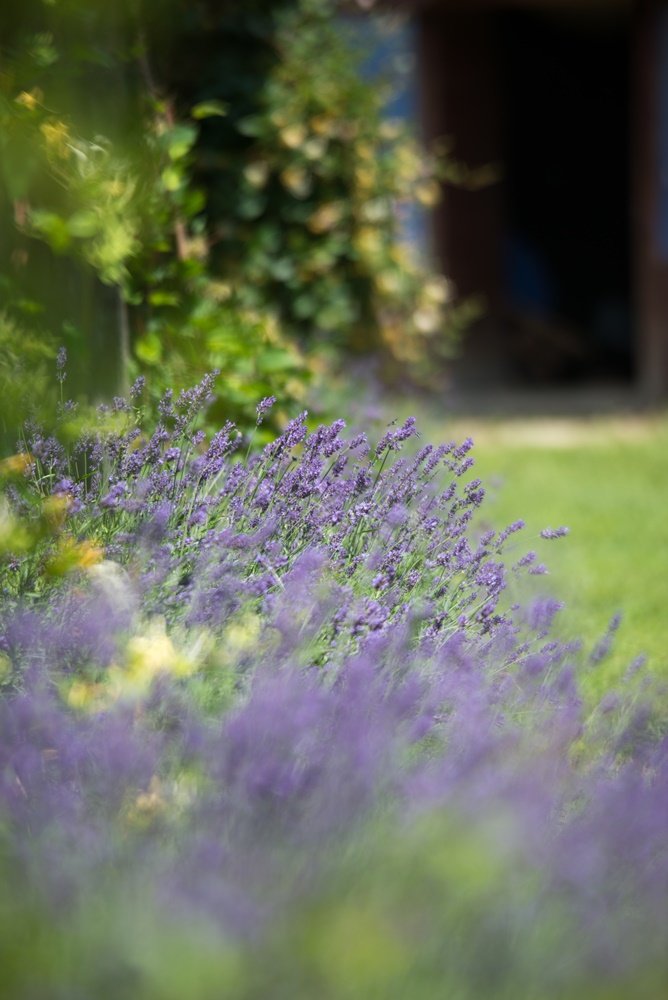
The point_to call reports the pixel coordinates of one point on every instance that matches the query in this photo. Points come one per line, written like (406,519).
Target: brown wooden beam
(651,250)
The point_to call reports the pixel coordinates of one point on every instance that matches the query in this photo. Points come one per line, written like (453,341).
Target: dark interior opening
(567,191)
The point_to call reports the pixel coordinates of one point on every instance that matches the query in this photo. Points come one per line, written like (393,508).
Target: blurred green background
(212,185)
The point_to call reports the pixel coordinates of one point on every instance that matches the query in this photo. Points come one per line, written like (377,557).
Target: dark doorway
(566,192)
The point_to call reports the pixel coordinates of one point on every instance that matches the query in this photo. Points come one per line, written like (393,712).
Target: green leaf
(83,224)
(253,126)
(149,349)
(172,178)
(43,51)
(52,228)
(162,298)
(251,208)
(180,140)
(29,307)
(194,201)
(209,109)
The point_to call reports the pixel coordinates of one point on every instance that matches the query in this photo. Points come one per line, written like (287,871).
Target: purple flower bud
(137,387)
(550,533)
(263,407)
(61,363)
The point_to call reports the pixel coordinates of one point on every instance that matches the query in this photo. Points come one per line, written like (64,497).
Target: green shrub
(108,249)
(229,175)
(26,378)
(307,180)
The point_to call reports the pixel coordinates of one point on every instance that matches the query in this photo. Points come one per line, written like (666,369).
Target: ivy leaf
(171,178)
(180,140)
(208,109)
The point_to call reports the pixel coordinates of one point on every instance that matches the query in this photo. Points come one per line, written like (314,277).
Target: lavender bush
(270,727)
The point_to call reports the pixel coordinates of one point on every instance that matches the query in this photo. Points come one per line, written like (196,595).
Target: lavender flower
(263,407)
(293,693)
(61,365)
(550,533)
(137,387)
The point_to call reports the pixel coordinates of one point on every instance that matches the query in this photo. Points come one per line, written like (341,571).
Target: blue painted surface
(662,139)
(389,47)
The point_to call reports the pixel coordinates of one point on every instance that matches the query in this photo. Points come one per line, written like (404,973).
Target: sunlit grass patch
(607,480)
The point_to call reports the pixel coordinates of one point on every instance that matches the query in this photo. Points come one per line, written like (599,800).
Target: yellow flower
(30,98)
(71,555)
(55,508)
(152,653)
(365,177)
(409,162)
(438,290)
(257,173)
(368,242)
(314,149)
(89,555)
(148,805)
(56,136)
(83,695)
(426,320)
(5,666)
(146,657)
(390,129)
(196,248)
(293,136)
(16,465)
(389,283)
(151,800)
(325,217)
(219,291)
(401,255)
(296,181)
(323,125)
(242,635)
(428,193)
(375,210)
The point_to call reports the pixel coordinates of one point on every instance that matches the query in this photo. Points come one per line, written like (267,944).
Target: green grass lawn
(607,480)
